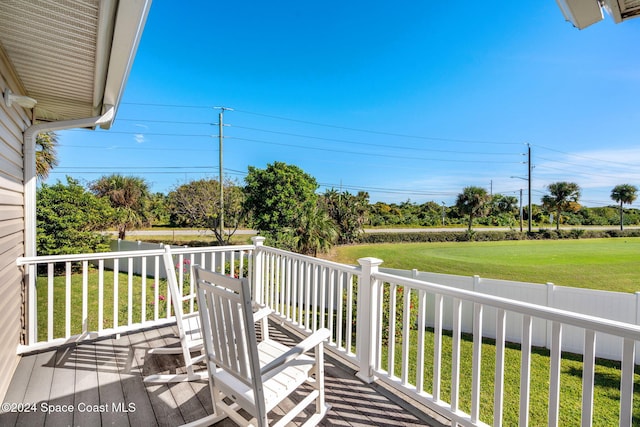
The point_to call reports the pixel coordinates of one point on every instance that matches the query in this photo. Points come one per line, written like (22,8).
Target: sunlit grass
(606,264)
(606,393)
(76,297)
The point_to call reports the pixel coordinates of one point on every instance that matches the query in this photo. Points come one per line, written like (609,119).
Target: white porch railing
(75,297)
(377,320)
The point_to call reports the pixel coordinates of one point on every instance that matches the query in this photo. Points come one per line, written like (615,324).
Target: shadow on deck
(87,385)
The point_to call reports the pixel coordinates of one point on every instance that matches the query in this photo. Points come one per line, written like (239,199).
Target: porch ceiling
(583,13)
(72,56)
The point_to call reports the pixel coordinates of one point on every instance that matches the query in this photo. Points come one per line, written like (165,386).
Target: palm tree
(129,196)
(472,201)
(624,193)
(46,155)
(316,232)
(564,197)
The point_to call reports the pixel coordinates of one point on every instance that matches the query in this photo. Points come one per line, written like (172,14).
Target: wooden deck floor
(87,385)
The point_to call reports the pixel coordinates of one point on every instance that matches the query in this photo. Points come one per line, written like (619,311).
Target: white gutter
(29,141)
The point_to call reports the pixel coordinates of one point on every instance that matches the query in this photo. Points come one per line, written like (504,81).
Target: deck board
(93,373)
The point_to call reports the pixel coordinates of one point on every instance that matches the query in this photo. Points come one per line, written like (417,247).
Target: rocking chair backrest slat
(225,303)
(174,290)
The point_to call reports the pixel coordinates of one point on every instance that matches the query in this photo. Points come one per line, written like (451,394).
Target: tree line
(282,203)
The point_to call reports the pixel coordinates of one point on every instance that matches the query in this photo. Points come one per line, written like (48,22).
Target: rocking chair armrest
(302,347)
(261,314)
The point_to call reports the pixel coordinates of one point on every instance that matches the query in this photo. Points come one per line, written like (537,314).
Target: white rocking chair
(255,376)
(188,332)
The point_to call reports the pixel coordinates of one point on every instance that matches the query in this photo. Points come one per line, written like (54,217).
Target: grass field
(607,264)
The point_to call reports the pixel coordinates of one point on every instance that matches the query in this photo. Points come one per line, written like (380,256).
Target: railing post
(367,319)
(258,276)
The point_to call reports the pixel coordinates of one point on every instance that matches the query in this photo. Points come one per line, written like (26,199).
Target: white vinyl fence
(618,306)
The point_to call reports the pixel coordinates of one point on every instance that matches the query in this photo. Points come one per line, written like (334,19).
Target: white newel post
(258,275)
(367,319)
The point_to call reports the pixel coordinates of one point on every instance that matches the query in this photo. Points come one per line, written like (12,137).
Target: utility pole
(521,210)
(220,139)
(529,182)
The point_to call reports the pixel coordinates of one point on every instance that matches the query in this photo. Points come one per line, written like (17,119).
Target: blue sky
(410,100)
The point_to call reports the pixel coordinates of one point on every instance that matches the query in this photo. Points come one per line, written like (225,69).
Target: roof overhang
(582,13)
(72,56)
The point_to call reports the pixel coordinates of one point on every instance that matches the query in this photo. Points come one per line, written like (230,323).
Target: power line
(583,157)
(369,144)
(430,138)
(360,153)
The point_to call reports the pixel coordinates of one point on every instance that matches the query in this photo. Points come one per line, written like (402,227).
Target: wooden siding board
(11,197)
(10,168)
(13,122)
(7,243)
(8,212)
(11,226)
(11,184)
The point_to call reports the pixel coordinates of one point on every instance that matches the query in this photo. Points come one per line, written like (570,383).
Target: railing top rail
(125,254)
(207,249)
(621,329)
(317,261)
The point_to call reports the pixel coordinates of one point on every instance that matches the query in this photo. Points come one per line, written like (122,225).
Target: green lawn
(607,264)
(92,305)
(606,394)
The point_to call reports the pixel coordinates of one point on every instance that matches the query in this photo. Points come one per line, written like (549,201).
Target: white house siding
(13,122)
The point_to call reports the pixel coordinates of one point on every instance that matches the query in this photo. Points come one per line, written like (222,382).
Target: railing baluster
(272,280)
(50,287)
(588,373)
(295,284)
(498,384)
(332,305)
(307,295)
(323,296)
(476,363)
(85,297)
(143,293)
(554,373)
(525,370)
(406,330)
(391,356)
(422,306)
(626,382)
(378,328)
(437,346)
(340,304)
(282,277)
(130,291)
(314,300)
(67,300)
(156,285)
(288,299)
(116,302)
(349,321)
(455,354)
(100,295)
